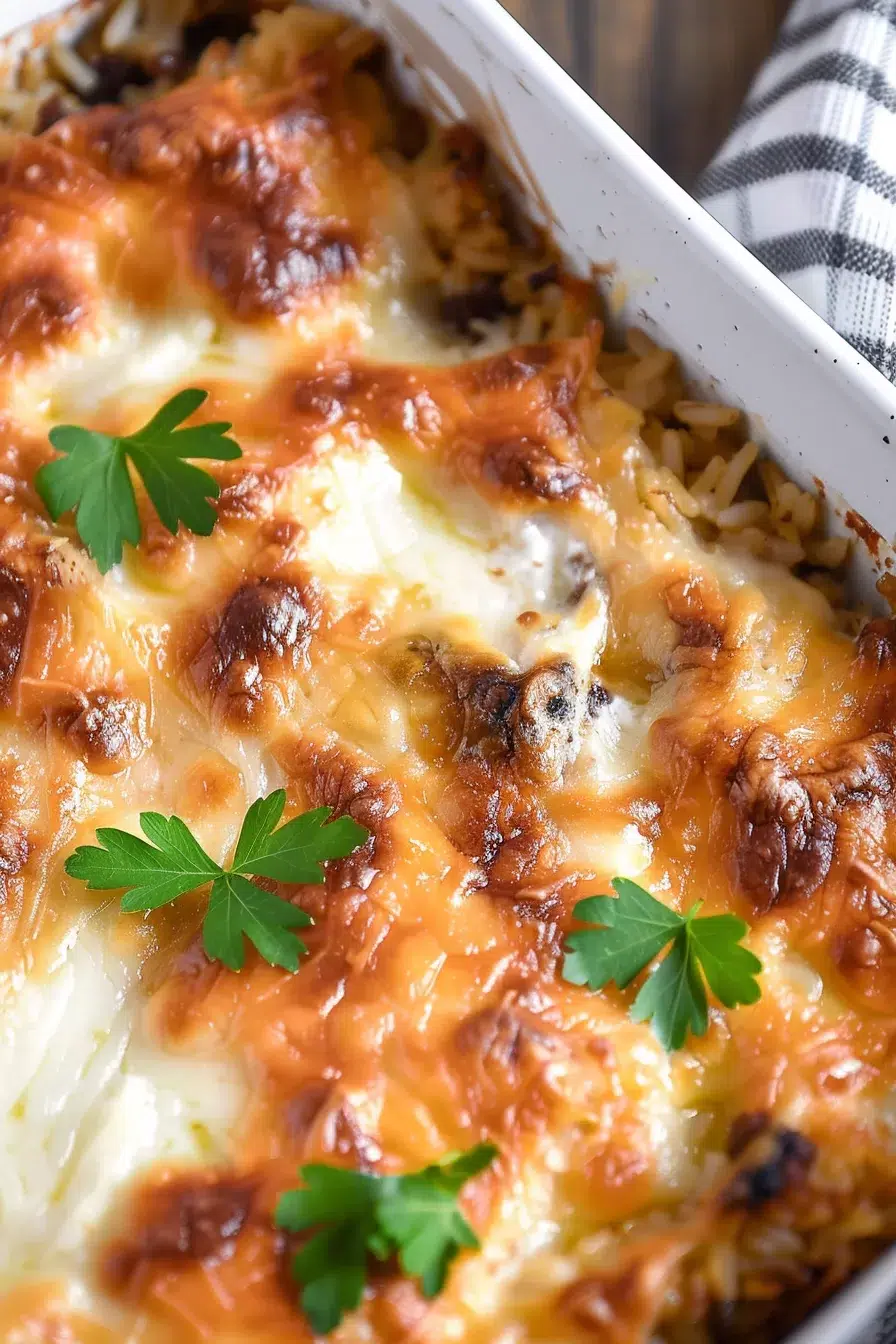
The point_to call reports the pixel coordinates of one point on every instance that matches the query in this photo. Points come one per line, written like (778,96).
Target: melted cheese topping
(434,599)
(102,1100)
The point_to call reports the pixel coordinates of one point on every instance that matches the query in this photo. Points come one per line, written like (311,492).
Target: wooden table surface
(672,72)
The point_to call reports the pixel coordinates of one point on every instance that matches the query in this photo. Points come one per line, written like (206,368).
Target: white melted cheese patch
(528,1254)
(86,1101)
(482,570)
(137,361)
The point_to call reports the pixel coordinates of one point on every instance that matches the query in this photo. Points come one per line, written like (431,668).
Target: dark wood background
(672,72)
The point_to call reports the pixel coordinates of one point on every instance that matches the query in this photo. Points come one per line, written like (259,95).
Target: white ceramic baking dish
(821,409)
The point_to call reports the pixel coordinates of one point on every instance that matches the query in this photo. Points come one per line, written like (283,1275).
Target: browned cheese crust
(674,710)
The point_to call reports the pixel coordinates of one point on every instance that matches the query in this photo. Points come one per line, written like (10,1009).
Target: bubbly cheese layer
(436,598)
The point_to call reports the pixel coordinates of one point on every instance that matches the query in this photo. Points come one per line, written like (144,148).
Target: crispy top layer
(435,599)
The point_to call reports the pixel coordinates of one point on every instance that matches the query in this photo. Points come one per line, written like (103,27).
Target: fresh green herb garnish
(636,928)
(93,478)
(413,1217)
(174,863)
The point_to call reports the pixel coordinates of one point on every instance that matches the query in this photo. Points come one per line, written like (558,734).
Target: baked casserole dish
(446,797)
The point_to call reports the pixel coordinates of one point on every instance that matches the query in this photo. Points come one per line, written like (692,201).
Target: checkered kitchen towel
(807,179)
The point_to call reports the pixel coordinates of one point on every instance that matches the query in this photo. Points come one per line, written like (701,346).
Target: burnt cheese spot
(191,1218)
(14,608)
(581,567)
(528,467)
(777,1160)
(530,721)
(39,307)
(499,1057)
(547,721)
(262,269)
(323,397)
(744,1129)
(789,820)
(502,824)
(239,189)
(699,611)
(499,1038)
(208,143)
(318,1118)
(598,698)
(700,635)
(510,371)
(334,778)
(107,732)
(876,645)
(784,849)
(504,426)
(266,624)
(860,950)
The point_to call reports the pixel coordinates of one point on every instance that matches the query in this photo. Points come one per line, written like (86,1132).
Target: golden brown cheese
(436,600)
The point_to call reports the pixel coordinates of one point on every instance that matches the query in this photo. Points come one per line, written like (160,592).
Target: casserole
(496,91)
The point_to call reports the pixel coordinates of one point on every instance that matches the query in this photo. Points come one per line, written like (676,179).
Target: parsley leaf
(673,999)
(237,907)
(414,1217)
(170,862)
(332,1265)
(296,851)
(423,1220)
(155,875)
(636,928)
(92,477)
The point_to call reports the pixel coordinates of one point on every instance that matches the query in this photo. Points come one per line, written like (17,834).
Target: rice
(120,25)
(733,474)
(706,481)
(748,513)
(828,552)
(653,366)
(738,497)
(705,415)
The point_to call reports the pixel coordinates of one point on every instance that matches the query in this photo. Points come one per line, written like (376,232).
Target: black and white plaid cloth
(807,179)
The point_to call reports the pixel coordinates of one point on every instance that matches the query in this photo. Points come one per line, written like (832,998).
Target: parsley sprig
(174,863)
(636,928)
(359,1215)
(92,476)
